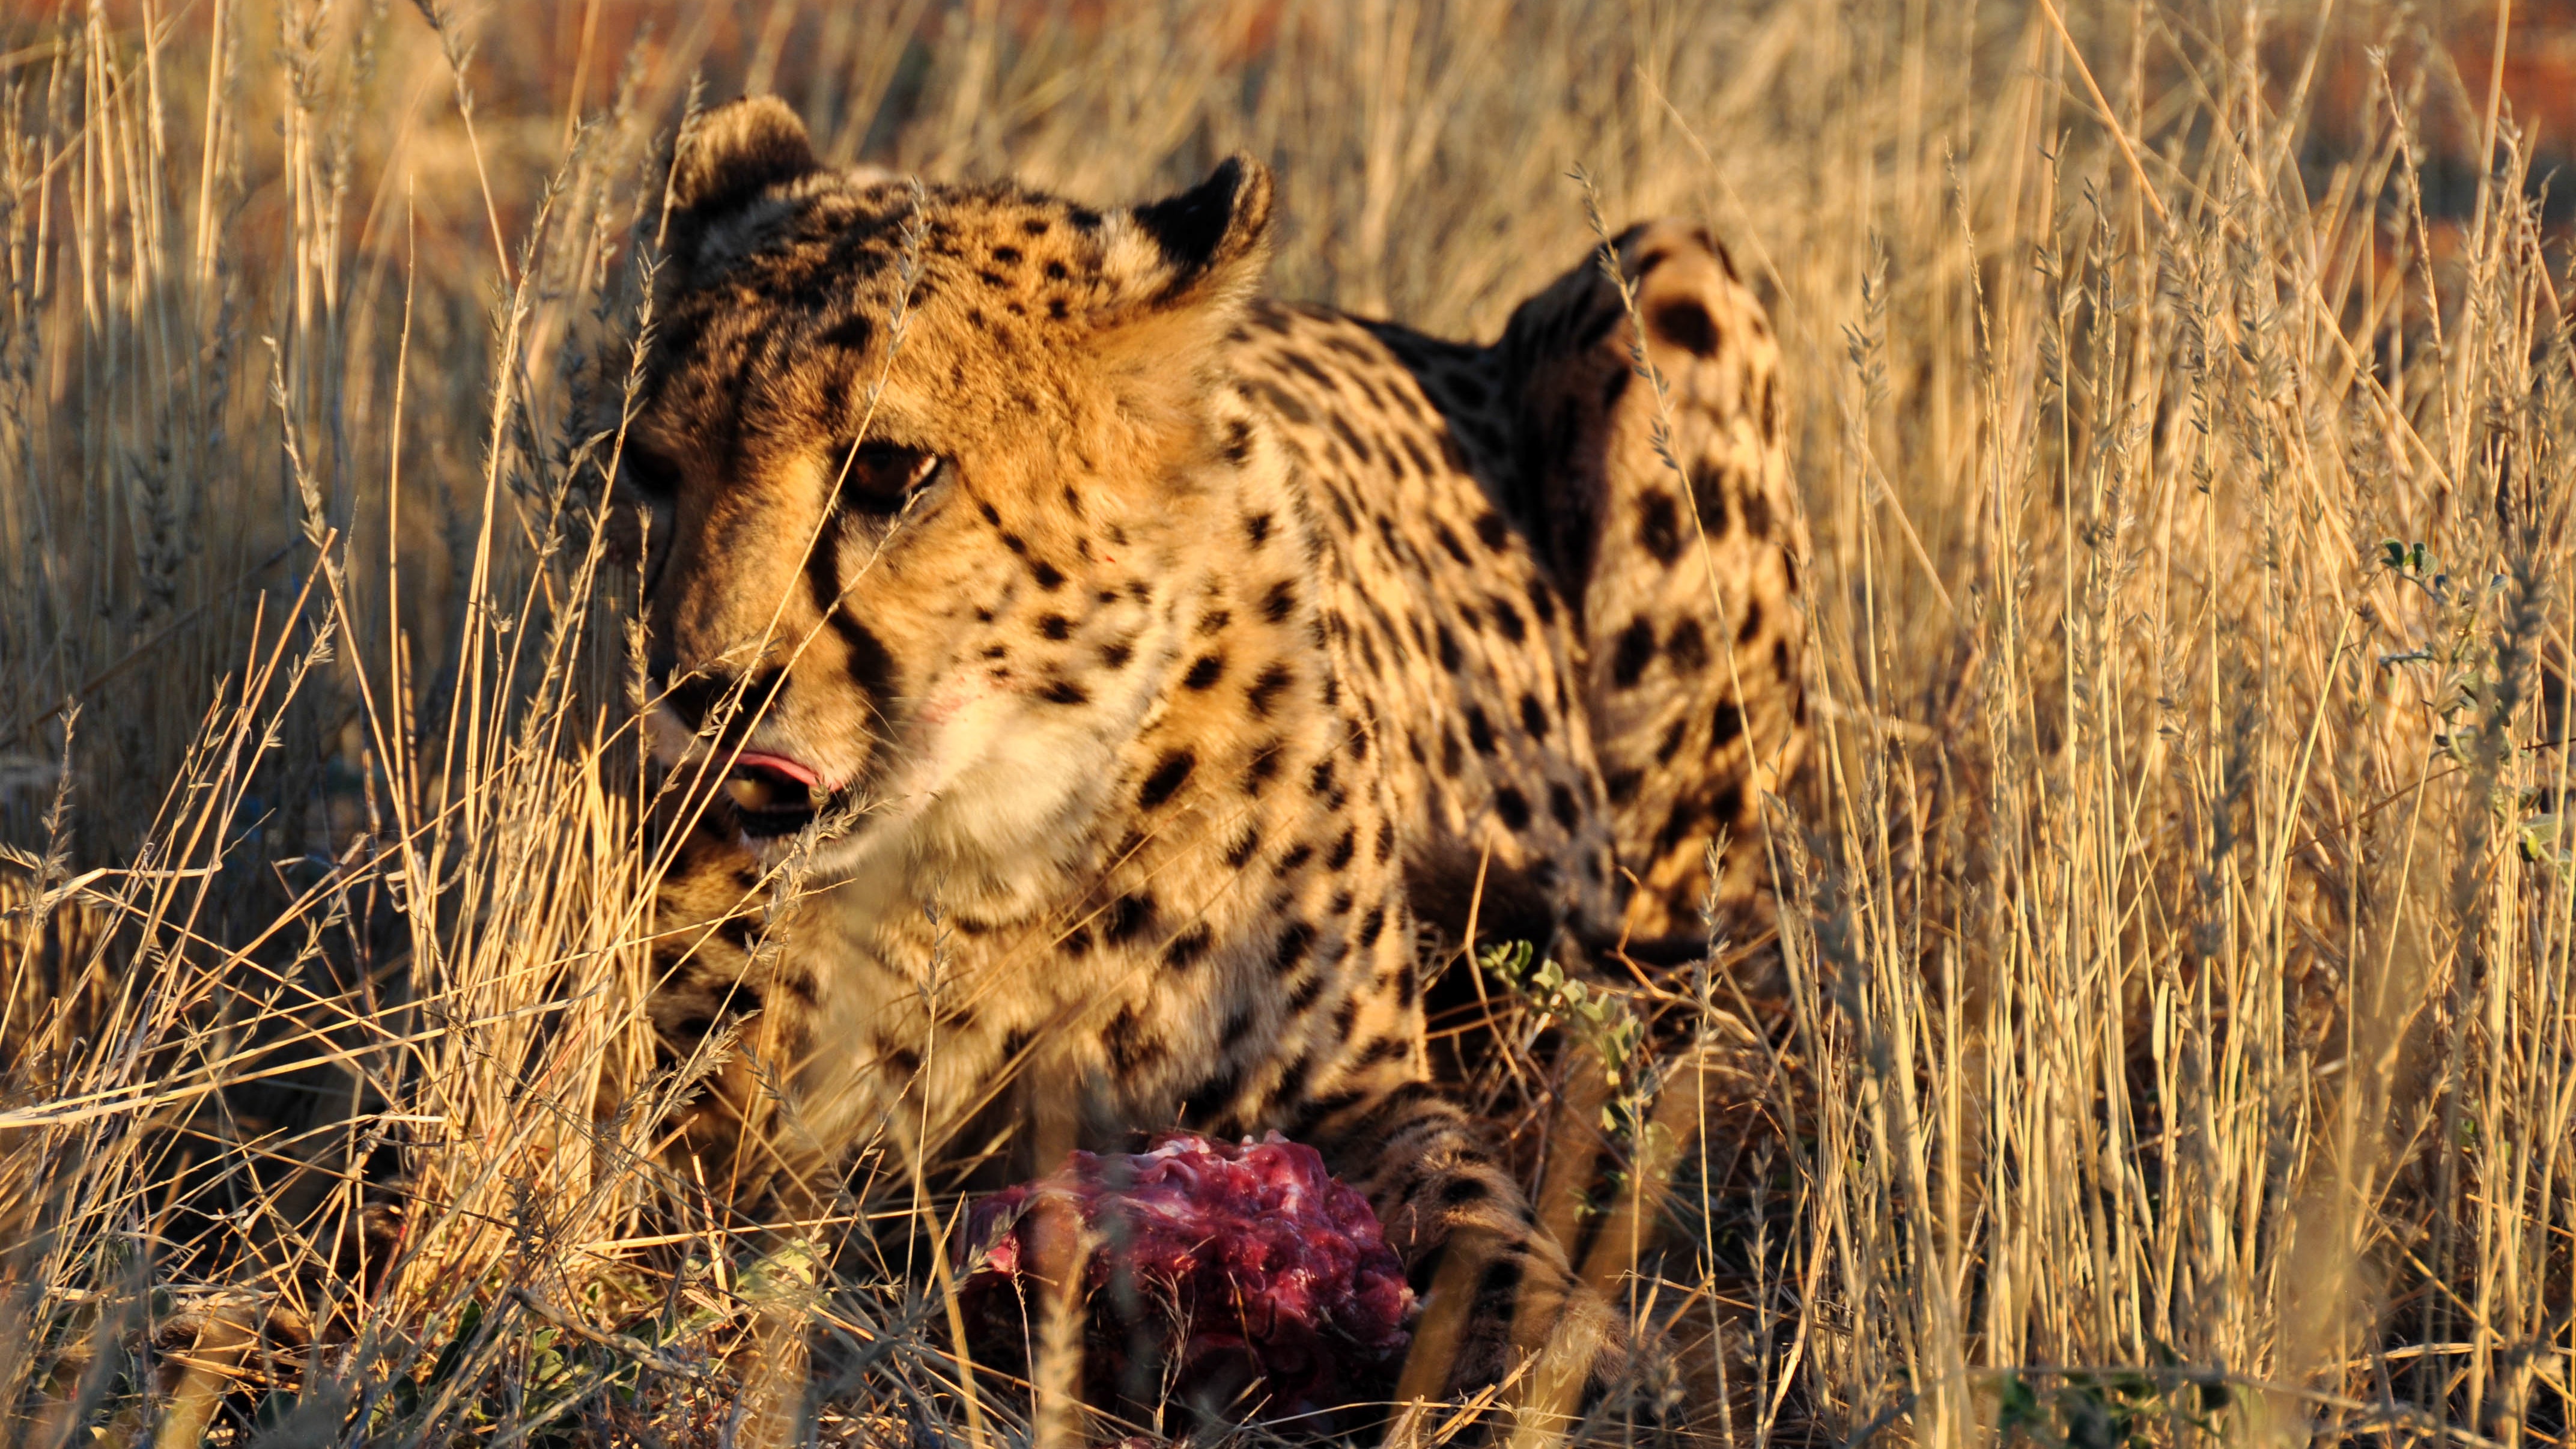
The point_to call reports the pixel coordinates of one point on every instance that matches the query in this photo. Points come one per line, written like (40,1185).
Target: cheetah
(1137,670)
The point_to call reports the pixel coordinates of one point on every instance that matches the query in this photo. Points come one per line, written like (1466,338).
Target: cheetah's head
(905,462)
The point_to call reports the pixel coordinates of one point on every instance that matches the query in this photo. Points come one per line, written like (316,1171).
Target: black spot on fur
(1560,804)
(1622,785)
(1281,598)
(1321,781)
(1452,759)
(1780,659)
(1450,658)
(1127,918)
(1383,1050)
(1687,649)
(1265,764)
(1635,650)
(1054,626)
(1205,672)
(1187,947)
(1672,744)
(1462,1191)
(1296,858)
(1615,386)
(1266,688)
(1256,527)
(1752,624)
(1413,450)
(1125,1041)
(1728,723)
(1206,1107)
(1659,527)
(1534,717)
(1757,514)
(1290,950)
(1372,926)
(1514,807)
(1065,691)
(1385,839)
(1500,1285)
(1507,619)
(1284,403)
(1048,576)
(1709,487)
(1678,826)
(1116,655)
(1729,802)
(1174,768)
(1542,600)
(1492,531)
(1343,849)
(1480,731)
(1346,1016)
(850,333)
(1316,375)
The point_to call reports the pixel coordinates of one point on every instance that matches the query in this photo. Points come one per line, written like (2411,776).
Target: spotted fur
(1161,659)
(1681,564)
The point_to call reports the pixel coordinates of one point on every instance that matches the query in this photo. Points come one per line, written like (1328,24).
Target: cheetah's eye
(880,478)
(651,474)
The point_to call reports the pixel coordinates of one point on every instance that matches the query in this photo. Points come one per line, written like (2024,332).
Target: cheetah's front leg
(1500,1287)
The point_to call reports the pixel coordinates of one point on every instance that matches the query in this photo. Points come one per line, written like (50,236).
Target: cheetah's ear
(1207,245)
(736,151)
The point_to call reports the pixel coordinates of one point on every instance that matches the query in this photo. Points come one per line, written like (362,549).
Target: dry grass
(2177,1033)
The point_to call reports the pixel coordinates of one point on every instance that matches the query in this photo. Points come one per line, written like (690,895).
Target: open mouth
(773,795)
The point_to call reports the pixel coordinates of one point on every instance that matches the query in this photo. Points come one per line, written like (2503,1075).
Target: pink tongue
(762,759)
